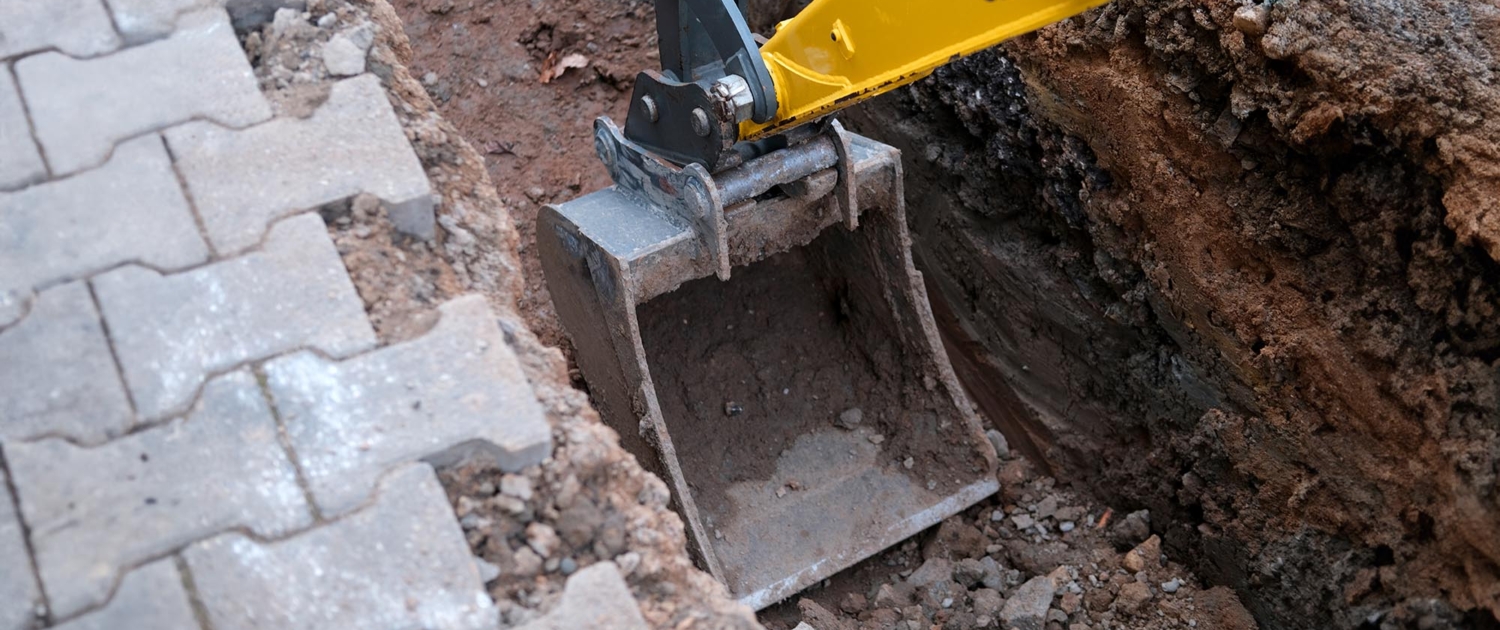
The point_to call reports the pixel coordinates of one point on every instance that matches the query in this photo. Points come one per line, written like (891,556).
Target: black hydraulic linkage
(712,78)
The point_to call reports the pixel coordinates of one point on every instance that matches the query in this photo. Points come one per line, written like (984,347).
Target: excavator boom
(836,53)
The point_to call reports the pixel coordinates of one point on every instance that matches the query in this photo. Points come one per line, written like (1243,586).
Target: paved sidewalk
(198,427)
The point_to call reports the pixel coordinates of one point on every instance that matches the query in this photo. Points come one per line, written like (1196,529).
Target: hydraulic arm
(718,89)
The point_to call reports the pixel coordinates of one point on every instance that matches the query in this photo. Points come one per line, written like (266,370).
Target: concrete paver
(171,331)
(57,376)
(82,108)
(97,512)
(400,563)
(20,163)
(76,27)
(351,144)
(19,593)
(149,598)
(130,209)
(456,392)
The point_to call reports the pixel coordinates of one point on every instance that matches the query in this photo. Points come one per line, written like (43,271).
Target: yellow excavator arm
(836,53)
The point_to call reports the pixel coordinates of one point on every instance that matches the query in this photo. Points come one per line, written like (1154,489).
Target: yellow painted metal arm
(836,53)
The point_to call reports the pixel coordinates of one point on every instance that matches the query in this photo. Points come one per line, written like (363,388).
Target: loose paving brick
(19,594)
(150,598)
(171,331)
(351,144)
(400,563)
(20,163)
(130,209)
(97,512)
(57,376)
(82,108)
(594,597)
(77,27)
(454,393)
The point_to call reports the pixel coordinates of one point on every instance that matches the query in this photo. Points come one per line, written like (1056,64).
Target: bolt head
(700,122)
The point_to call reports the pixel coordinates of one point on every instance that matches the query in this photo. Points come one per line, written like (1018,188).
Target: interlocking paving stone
(456,392)
(399,563)
(76,27)
(82,108)
(594,597)
(19,594)
(96,512)
(56,373)
(351,144)
(150,598)
(20,164)
(144,20)
(130,209)
(171,331)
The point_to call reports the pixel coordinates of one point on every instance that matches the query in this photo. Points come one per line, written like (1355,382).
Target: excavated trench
(1234,264)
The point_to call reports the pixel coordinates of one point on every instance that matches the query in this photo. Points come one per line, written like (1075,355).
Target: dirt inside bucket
(744,368)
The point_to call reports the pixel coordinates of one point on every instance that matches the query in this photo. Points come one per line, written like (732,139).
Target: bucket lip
(825,567)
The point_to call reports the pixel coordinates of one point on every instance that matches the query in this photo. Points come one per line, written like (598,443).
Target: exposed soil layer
(1235,265)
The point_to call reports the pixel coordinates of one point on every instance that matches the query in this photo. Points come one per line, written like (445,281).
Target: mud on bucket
(803,410)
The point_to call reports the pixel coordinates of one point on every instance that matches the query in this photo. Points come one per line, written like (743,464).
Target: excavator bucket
(760,339)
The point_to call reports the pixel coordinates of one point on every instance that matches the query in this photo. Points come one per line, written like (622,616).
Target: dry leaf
(556,67)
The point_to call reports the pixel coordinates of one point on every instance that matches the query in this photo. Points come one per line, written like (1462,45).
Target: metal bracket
(688,193)
(712,78)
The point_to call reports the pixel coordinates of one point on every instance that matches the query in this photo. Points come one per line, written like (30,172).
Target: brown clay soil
(1236,265)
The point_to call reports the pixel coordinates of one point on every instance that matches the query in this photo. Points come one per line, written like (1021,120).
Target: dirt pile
(1236,264)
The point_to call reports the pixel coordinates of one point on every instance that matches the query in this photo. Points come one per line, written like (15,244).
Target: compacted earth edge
(1227,268)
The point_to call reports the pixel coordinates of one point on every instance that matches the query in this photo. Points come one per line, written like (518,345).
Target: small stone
(909,462)
(1171,586)
(1066,526)
(1047,508)
(733,409)
(567,566)
(536,193)
(997,440)
(343,57)
(482,83)
(968,572)
(488,571)
(1133,529)
(994,576)
(853,604)
(850,419)
(1027,607)
(328,19)
(628,561)
(877,439)
(1022,521)
(517,486)
(1057,616)
(997,515)
(542,539)
(527,563)
(430,79)
(1146,554)
(1133,596)
(1252,19)
(947,602)
(509,505)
